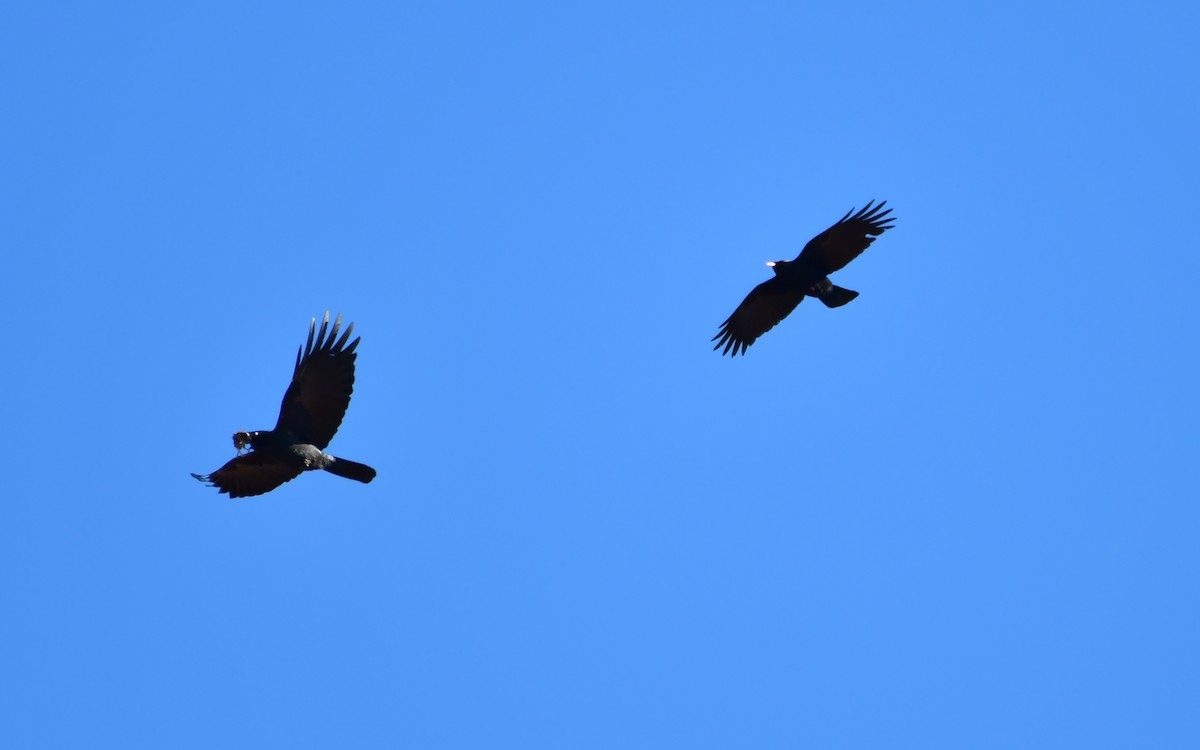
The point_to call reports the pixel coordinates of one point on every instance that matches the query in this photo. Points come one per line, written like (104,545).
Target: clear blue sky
(959,512)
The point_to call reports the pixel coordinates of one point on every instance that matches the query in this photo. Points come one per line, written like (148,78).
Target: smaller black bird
(806,276)
(312,411)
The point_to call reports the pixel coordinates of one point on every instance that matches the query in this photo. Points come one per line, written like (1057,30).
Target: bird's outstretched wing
(322,382)
(766,305)
(251,474)
(846,240)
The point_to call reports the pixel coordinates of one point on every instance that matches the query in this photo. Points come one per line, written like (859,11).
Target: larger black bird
(806,276)
(312,411)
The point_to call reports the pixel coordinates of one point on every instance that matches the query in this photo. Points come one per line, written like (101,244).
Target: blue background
(959,512)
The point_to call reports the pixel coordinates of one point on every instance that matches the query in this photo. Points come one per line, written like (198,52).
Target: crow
(312,410)
(806,276)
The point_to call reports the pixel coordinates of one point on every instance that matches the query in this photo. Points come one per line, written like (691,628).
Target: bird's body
(806,276)
(310,415)
(292,450)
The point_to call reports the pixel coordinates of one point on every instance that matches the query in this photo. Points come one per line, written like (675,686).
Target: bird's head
(241,441)
(777,265)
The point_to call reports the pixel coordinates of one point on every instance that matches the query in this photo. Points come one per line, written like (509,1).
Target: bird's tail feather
(351,470)
(837,296)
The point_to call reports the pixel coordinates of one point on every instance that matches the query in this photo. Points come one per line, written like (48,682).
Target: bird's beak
(770,264)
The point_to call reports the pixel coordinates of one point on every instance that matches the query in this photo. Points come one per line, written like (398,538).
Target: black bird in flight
(806,276)
(312,410)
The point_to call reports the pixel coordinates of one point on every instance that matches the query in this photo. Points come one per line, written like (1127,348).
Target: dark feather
(832,249)
(251,474)
(322,382)
(763,308)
